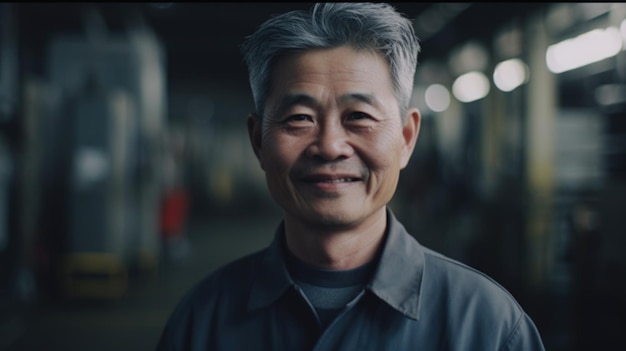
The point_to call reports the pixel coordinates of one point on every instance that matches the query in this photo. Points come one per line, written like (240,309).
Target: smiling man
(332,129)
(332,144)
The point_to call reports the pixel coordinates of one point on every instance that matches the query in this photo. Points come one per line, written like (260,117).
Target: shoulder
(224,290)
(468,306)
(469,297)
(446,270)
(230,278)
(226,287)
(463,282)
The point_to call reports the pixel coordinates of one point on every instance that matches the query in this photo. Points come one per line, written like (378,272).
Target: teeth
(339,180)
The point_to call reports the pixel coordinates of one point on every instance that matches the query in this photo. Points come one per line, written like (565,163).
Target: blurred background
(126,174)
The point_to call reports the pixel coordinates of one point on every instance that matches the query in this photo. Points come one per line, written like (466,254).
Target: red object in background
(174,210)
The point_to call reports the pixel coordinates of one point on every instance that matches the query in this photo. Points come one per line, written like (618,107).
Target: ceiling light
(437,98)
(510,74)
(584,49)
(470,87)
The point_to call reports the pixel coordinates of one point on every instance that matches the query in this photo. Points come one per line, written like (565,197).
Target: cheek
(278,153)
(382,152)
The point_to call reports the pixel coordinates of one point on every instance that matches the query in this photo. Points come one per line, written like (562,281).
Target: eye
(357,116)
(298,118)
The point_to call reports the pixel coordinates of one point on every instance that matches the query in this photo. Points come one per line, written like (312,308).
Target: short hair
(376,27)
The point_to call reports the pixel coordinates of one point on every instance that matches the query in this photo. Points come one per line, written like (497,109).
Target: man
(332,130)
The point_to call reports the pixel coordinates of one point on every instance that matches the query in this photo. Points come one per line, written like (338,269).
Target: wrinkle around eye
(361,120)
(298,122)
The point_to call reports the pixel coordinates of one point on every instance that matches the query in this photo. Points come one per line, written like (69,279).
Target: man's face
(332,142)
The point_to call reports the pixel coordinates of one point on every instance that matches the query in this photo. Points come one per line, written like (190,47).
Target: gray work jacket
(417,300)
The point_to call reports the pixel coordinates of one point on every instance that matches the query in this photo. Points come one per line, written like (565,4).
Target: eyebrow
(307,100)
(295,99)
(365,98)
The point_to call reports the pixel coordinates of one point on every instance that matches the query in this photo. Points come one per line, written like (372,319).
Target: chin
(331,219)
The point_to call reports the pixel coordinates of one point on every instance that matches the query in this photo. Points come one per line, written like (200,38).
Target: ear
(410,131)
(255,125)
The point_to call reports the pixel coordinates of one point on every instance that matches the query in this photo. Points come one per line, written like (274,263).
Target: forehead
(342,59)
(340,70)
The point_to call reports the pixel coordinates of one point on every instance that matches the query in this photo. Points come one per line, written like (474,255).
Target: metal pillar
(541,113)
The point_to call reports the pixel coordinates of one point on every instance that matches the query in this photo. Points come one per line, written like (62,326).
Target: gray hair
(362,26)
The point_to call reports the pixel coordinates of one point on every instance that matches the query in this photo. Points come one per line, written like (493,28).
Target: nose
(331,142)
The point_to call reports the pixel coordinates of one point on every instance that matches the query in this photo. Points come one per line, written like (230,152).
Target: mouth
(331,180)
(330,184)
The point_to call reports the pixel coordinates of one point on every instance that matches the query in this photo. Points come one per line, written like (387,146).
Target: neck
(337,248)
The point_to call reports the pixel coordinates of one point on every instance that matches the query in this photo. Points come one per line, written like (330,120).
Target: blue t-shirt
(416,299)
(328,291)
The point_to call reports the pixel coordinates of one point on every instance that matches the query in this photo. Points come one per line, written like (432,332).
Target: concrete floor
(135,321)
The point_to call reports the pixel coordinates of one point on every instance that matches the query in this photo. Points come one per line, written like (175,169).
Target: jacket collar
(397,279)
(271,278)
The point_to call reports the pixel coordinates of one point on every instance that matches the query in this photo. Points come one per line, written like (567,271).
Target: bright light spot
(584,49)
(437,98)
(470,87)
(90,166)
(510,74)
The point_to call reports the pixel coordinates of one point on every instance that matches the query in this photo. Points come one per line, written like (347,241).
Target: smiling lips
(339,180)
(330,179)
(330,182)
